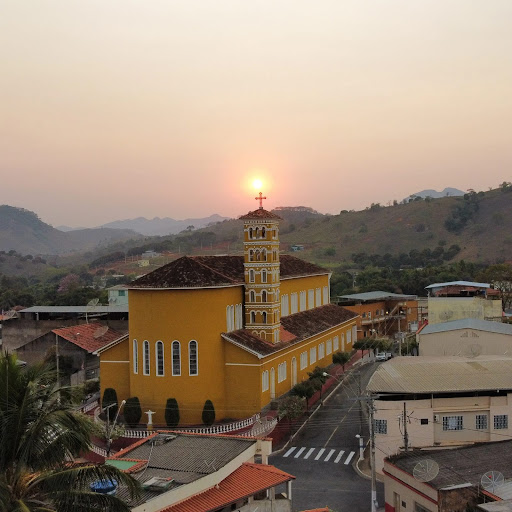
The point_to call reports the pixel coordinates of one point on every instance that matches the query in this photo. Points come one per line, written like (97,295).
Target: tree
(69,283)
(109,398)
(132,411)
(341,358)
(317,377)
(41,436)
(208,415)
(291,407)
(172,412)
(304,389)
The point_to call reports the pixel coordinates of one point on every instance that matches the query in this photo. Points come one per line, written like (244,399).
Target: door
(272,383)
(396,501)
(294,371)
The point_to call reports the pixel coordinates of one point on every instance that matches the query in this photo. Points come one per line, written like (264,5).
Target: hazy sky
(113,109)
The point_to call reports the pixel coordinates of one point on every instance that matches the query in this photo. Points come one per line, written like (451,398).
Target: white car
(383,356)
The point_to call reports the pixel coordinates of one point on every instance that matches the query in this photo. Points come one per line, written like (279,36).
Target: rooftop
(294,328)
(260,213)
(468,323)
(377,295)
(89,337)
(458,283)
(442,374)
(460,466)
(245,481)
(76,309)
(213,271)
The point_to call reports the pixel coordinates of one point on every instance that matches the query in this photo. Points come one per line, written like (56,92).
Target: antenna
(425,470)
(90,307)
(100,331)
(492,480)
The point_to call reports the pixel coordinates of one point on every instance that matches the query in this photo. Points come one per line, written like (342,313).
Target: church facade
(236,330)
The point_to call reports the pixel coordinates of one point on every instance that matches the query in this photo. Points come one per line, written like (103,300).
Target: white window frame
(311,298)
(318,297)
(328,346)
(146,356)
(312,355)
(381,426)
(263,276)
(302,301)
(159,359)
(190,343)
(135,357)
(178,344)
(265,381)
(453,422)
(321,350)
(482,422)
(326,295)
(285,305)
(336,344)
(294,303)
(349,337)
(304,360)
(251,275)
(500,421)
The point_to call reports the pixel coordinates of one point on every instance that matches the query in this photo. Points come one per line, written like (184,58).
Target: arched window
(262,232)
(135,357)
(192,358)
(250,232)
(263,276)
(253,317)
(264,317)
(176,358)
(264,255)
(146,358)
(251,255)
(264,296)
(159,354)
(251,276)
(252,296)
(258,255)
(257,232)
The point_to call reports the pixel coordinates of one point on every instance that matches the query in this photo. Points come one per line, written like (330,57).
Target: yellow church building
(236,330)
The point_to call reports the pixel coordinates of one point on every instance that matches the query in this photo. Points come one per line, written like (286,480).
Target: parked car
(383,356)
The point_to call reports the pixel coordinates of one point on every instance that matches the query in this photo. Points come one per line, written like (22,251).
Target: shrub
(132,411)
(109,398)
(172,412)
(304,389)
(341,358)
(208,413)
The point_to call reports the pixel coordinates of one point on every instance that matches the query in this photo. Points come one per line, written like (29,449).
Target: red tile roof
(88,336)
(324,509)
(260,213)
(245,481)
(301,326)
(207,271)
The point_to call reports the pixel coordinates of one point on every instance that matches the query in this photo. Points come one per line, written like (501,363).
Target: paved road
(322,454)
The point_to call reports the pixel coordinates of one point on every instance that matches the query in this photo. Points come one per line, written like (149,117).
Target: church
(237,330)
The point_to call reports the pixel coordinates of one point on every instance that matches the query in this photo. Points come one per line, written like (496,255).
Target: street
(322,454)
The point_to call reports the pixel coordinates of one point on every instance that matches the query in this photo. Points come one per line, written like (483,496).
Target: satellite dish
(9,314)
(90,306)
(474,350)
(425,470)
(100,331)
(492,480)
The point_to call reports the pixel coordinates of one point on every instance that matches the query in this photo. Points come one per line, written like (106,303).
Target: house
(118,295)
(239,331)
(455,300)
(466,337)
(35,321)
(187,472)
(75,346)
(440,401)
(382,313)
(449,480)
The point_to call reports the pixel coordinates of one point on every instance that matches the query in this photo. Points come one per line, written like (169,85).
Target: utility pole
(406,435)
(372,454)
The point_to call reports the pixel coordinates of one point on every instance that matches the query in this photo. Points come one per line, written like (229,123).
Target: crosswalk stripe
(291,450)
(349,458)
(311,450)
(338,457)
(329,456)
(297,455)
(322,450)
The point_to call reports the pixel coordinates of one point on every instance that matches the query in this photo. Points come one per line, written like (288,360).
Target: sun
(257,184)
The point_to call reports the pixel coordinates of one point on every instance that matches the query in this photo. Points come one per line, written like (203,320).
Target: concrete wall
(446,309)
(464,342)
(430,433)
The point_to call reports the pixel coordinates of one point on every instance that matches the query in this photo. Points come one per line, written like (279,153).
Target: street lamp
(361,447)
(110,428)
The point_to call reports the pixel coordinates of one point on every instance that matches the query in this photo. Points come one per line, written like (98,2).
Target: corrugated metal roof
(377,295)
(441,374)
(458,283)
(469,323)
(77,309)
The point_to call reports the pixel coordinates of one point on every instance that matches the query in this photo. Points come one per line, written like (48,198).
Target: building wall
(464,342)
(445,309)
(181,315)
(304,284)
(431,433)
(115,370)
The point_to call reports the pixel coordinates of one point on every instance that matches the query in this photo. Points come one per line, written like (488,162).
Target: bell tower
(261,270)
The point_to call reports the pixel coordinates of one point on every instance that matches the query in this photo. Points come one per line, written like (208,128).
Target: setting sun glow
(257,184)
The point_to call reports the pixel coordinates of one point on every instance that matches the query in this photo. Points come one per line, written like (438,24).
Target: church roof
(208,271)
(301,326)
(260,213)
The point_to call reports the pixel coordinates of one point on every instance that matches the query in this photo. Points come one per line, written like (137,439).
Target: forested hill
(22,231)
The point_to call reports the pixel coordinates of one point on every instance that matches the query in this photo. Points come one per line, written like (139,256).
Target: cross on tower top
(260,199)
